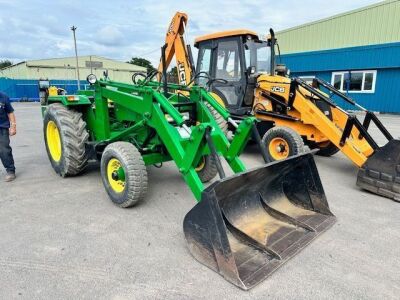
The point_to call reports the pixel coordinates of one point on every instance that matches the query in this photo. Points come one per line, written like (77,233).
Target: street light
(73,28)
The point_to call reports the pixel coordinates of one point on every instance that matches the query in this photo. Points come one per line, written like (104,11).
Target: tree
(173,72)
(5,63)
(142,62)
(172,75)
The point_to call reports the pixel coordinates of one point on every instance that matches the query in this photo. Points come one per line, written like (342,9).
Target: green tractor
(243,226)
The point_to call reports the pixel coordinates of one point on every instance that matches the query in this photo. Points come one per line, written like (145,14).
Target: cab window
(258,55)
(228,62)
(204,64)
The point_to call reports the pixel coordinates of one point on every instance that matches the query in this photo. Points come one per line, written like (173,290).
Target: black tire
(209,170)
(73,137)
(328,150)
(218,118)
(135,183)
(292,138)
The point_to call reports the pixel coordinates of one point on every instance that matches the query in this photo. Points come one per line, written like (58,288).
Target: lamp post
(73,28)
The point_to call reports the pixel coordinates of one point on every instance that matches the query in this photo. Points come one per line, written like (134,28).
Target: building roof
(65,68)
(222,34)
(84,62)
(373,24)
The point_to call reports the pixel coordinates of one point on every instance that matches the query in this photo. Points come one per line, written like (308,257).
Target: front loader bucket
(381,172)
(248,225)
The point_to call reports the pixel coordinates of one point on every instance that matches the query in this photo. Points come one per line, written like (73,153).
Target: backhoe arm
(175,46)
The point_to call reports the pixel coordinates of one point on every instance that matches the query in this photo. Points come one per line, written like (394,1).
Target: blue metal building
(368,74)
(358,52)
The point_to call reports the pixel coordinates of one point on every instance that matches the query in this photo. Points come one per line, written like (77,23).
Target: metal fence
(27,90)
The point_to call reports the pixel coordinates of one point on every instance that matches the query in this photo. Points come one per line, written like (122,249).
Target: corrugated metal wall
(375,24)
(68,73)
(363,57)
(383,58)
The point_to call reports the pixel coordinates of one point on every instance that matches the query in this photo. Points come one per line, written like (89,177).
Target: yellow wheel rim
(116,175)
(218,99)
(278,148)
(54,141)
(201,164)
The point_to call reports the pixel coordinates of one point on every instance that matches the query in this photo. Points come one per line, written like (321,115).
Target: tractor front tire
(124,174)
(282,142)
(327,149)
(207,168)
(65,137)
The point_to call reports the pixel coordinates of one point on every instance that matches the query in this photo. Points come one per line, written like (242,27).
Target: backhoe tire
(328,150)
(124,174)
(282,142)
(65,137)
(223,125)
(207,168)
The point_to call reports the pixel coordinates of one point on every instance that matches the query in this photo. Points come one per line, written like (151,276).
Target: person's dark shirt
(5,109)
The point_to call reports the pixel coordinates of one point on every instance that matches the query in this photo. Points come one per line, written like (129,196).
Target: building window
(308,79)
(355,81)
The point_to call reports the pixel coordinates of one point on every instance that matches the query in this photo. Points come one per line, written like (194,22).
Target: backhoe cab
(235,59)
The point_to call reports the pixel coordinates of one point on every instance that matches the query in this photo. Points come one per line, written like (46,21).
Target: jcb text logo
(278,89)
(181,73)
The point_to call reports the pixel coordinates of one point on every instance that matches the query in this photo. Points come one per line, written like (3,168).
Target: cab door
(228,64)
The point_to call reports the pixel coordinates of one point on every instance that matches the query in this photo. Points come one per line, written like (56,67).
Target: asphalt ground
(64,239)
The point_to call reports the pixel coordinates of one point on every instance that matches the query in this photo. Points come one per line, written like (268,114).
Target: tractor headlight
(92,79)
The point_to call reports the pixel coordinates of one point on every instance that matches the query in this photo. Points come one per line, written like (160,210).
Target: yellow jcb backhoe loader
(241,73)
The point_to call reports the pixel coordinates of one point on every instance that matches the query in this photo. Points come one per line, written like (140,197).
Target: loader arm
(175,46)
(154,110)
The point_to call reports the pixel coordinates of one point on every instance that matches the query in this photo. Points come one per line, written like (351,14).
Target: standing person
(8,127)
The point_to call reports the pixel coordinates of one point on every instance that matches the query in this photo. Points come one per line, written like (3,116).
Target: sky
(31,29)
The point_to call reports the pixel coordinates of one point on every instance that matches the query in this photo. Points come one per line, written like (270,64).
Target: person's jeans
(6,156)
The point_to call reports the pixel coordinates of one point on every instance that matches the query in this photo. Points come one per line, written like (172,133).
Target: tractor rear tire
(124,174)
(207,168)
(65,137)
(282,142)
(328,150)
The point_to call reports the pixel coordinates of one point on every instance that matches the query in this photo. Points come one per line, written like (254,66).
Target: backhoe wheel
(65,137)
(124,174)
(327,149)
(218,118)
(282,142)
(207,168)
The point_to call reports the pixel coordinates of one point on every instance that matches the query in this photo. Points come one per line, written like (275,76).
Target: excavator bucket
(381,172)
(248,225)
